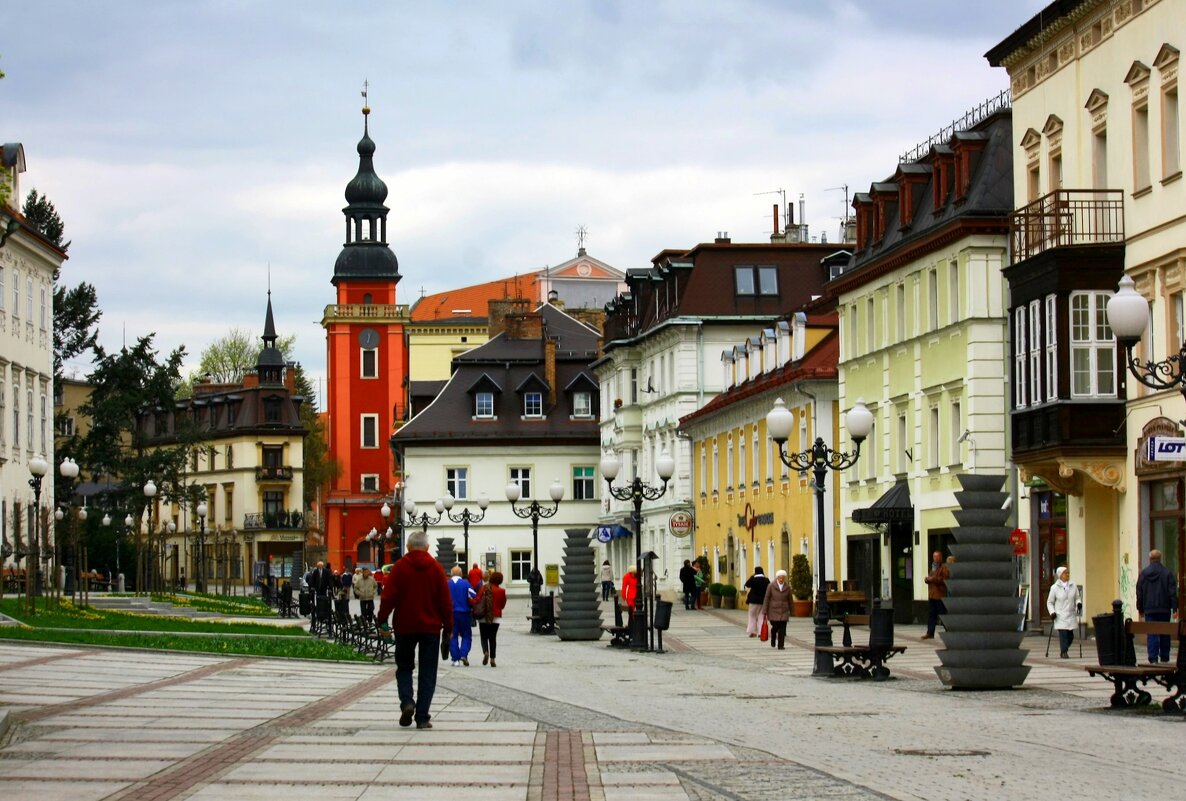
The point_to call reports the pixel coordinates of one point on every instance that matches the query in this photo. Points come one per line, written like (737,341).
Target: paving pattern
(718,716)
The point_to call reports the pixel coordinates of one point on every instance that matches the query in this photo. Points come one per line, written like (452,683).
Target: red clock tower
(367,365)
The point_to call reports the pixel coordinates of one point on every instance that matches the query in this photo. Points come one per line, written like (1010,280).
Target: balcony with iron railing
(1067,218)
(273,473)
(254,521)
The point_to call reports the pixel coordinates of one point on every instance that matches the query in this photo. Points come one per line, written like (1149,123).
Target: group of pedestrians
(693,583)
(432,614)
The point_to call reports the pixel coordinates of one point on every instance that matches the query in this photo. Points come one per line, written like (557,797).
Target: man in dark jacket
(687,577)
(418,593)
(1157,600)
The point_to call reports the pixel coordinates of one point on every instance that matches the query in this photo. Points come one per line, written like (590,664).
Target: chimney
(722,238)
(776,219)
(550,370)
(802,218)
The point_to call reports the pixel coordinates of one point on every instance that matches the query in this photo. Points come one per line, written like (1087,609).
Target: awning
(892,507)
(607,533)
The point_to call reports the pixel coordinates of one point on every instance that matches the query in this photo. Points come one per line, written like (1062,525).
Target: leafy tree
(43,218)
(76,318)
(227,359)
(132,394)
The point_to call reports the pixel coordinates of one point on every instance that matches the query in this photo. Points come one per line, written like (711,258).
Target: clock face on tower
(368,338)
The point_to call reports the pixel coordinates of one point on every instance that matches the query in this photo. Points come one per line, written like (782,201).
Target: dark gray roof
(502,365)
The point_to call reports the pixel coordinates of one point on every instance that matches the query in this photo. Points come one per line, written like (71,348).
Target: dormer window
(533,404)
(484,405)
(582,404)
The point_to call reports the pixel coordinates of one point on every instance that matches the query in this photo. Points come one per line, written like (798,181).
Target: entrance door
(864,565)
(1052,542)
(1166,531)
(902,571)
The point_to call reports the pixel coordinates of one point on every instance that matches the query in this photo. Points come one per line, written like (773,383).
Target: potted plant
(714,594)
(728,596)
(801,586)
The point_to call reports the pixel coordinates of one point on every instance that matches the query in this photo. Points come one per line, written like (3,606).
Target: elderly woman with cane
(1065,606)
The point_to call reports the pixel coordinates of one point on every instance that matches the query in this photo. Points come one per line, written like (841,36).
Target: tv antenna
(783,194)
(844,219)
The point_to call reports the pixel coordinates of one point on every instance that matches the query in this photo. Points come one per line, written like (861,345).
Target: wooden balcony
(1063,427)
(1067,218)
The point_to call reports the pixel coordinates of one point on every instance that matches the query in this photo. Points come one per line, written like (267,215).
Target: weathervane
(366,109)
(582,233)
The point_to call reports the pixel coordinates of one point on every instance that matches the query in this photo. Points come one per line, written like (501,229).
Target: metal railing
(254,521)
(277,473)
(1066,218)
(973,117)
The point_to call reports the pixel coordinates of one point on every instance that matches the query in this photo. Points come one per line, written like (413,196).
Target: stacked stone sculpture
(446,556)
(579,617)
(983,637)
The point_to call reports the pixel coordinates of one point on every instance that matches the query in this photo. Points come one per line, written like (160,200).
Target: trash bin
(1112,645)
(881,627)
(663,615)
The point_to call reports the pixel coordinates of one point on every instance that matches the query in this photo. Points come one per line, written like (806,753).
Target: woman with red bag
(756,585)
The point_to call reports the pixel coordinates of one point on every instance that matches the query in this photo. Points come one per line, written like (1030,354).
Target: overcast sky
(188,145)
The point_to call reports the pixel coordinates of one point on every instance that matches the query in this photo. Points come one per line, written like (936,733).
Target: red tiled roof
(472,302)
(818,364)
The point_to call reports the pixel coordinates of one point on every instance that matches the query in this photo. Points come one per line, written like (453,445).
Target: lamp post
(144,567)
(1128,316)
(636,492)
(201,573)
(820,458)
(68,470)
(170,529)
(424,520)
(466,517)
(38,467)
(534,512)
(128,523)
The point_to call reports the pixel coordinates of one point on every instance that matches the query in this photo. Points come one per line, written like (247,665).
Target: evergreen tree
(43,218)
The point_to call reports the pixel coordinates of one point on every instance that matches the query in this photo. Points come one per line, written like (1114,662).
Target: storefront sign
(680,524)
(1166,449)
(1018,540)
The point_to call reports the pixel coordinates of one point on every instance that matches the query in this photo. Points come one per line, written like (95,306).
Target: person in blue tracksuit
(463,595)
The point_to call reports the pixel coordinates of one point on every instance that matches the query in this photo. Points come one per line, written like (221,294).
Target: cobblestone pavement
(718,716)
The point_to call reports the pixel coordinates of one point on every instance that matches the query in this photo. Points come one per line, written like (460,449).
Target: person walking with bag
(777,608)
(488,606)
(756,584)
(607,580)
(416,597)
(936,582)
(1064,605)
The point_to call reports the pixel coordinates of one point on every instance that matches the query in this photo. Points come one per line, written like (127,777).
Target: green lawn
(90,626)
(70,617)
(293,648)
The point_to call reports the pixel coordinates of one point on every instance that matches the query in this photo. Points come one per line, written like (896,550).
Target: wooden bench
(619,634)
(862,661)
(1127,680)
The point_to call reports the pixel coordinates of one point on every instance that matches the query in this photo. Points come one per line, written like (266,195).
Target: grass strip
(68,616)
(306,648)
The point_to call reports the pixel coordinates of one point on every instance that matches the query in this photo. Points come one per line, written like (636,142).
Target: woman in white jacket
(1065,606)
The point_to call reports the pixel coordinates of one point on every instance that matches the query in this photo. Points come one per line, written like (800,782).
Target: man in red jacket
(418,593)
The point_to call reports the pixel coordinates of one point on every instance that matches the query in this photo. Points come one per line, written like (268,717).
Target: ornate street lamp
(466,517)
(637,491)
(1128,316)
(144,567)
(534,512)
(38,467)
(820,459)
(424,520)
(201,577)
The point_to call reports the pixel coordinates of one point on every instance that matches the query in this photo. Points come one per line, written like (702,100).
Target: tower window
(370,431)
(370,363)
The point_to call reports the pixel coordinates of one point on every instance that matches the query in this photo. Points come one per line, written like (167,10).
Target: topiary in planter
(800,577)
